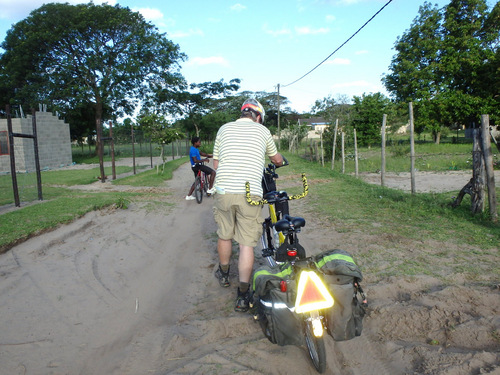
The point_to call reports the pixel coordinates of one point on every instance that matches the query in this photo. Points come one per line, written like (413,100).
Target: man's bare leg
(245,263)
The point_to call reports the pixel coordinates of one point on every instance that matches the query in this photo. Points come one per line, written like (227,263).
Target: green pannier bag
(342,276)
(274,309)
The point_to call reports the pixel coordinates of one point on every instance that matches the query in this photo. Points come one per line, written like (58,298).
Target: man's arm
(196,160)
(277,160)
(216,163)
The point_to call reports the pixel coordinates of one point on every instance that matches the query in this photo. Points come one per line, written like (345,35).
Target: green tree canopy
(368,111)
(447,64)
(69,56)
(200,100)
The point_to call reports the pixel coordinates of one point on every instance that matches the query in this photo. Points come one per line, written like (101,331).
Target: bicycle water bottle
(276,238)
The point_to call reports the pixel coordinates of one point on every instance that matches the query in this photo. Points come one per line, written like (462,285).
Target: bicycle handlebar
(284,196)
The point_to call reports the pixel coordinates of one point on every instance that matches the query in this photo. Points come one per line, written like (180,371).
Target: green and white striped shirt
(241,148)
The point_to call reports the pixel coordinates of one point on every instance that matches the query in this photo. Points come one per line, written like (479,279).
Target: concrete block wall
(54,143)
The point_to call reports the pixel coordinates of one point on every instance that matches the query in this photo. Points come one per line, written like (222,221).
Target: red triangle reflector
(312,294)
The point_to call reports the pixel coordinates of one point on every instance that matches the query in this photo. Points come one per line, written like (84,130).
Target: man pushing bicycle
(240,152)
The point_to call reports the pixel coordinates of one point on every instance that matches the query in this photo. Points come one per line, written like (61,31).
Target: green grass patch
(63,205)
(413,234)
(428,157)
(80,176)
(153,177)
(34,219)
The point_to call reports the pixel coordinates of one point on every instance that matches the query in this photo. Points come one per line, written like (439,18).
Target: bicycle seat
(290,223)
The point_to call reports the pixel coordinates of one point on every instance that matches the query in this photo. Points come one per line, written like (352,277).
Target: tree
(368,111)
(71,56)
(334,109)
(158,130)
(445,64)
(200,100)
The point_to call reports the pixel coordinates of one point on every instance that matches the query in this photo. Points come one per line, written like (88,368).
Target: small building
(317,125)
(54,143)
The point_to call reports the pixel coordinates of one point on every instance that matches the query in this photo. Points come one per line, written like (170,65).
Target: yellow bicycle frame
(274,219)
(272,209)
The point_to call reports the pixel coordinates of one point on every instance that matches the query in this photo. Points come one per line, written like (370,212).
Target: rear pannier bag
(342,277)
(273,309)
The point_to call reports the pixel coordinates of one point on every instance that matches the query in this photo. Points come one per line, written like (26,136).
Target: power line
(342,45)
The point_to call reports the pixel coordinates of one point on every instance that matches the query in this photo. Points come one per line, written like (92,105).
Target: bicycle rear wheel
(205,184)
(315,347)
(198,190)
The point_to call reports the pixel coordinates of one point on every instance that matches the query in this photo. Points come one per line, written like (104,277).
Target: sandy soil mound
(133,292)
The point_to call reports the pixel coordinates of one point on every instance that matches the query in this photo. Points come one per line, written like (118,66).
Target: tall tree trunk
(437,137)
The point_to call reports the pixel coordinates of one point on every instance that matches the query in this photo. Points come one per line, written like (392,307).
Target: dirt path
(133,292)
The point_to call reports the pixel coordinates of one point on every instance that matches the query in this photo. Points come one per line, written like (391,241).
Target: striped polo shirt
(241,147)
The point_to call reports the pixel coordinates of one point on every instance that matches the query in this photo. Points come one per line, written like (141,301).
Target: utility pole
(279,130)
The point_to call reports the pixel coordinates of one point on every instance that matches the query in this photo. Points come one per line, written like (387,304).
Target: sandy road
(83,298)
(132,292)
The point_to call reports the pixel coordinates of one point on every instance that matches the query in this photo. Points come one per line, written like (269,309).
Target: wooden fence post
(133,145)
(113,166)
(343,154)
(334,142)
(478,174)
(322,152)
(356,166)
(382,166)
(412,150)
(488,161)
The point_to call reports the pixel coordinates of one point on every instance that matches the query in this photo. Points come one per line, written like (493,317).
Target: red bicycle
(201,186)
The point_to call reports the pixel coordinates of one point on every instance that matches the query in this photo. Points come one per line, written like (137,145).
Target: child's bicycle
(281,249)
(201,186)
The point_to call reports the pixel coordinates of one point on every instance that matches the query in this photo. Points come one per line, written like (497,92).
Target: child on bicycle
(197,164)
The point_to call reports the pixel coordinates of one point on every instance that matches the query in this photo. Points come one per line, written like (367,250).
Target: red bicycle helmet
(254,106)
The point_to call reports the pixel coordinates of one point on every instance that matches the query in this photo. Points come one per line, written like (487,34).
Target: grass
(153,177)
(62,205)
(409,232)
(50,214)
(428,157)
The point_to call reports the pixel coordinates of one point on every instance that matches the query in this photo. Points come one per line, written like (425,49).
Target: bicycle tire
(315,347)
(205,184)
(198,190)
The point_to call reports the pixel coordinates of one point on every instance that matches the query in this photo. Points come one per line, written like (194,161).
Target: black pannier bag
(342,277)
(273,309)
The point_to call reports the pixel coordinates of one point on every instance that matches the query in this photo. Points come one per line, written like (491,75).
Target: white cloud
(330,18)
(238,7)
(213,60)
(306,30)
(339,61)
(282,31)
(150,14)
(186,34)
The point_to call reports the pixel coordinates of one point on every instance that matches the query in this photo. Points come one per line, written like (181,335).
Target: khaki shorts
(237,220)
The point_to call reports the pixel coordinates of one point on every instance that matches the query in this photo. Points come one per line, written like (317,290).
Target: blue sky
(265,43)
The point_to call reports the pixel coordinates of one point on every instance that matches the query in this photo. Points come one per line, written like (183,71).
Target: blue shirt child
(194,152)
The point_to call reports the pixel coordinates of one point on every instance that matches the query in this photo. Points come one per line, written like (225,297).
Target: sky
(267,43)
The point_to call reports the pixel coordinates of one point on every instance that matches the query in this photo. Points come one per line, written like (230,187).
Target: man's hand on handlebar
(277,159)
(283,163)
